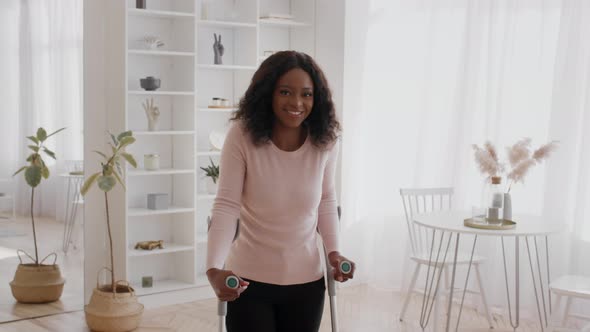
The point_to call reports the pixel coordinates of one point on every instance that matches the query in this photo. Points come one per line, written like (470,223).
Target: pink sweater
(281,199)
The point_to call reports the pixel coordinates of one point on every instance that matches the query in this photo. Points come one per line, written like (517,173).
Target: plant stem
(33,222)
(106,201)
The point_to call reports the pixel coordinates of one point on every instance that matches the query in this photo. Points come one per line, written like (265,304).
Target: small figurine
(218,49)
(153,113)
(150,245)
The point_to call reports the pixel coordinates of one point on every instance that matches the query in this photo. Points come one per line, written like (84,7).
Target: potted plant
(212,171)
(112,307)
(37,282)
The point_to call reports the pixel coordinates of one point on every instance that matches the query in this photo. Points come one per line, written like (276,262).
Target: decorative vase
(140,4)
(507,207)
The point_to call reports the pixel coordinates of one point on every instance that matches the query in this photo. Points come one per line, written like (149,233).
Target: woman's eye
(307,94)
(284,92)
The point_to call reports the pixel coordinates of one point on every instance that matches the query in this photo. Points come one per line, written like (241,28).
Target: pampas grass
(487,159)
(519,157)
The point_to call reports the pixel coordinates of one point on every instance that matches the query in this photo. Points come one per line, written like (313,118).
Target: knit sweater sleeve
(227,204)
(328,223)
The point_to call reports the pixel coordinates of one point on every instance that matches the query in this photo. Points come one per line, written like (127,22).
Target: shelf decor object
(218,50)
(152,113)
(150,83)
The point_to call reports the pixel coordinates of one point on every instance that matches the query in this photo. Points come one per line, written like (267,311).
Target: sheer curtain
(438,76)
(42,55)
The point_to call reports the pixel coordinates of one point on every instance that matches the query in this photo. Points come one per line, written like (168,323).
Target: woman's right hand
(217,280)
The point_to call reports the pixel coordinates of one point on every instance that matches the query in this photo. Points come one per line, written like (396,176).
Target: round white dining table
(527,226)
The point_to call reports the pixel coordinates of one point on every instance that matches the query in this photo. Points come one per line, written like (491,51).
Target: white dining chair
(7,200)
(424,200)
(569,287)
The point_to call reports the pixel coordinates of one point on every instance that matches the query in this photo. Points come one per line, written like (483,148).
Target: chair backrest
(423,200)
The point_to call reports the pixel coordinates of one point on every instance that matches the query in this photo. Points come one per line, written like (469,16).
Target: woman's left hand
(335,258)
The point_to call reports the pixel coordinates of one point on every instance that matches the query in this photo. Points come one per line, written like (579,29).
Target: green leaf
(30,157)
(129,159)
(34,148)
(114,139)
(119,179)
(37,160)
(127,140)
(124,134)
(45,173)
(55,132)
(119,167)
(41,134)
(33,176)
(102,154)
(88,183)
(49,152)
(34,139)
(106,183)
(20,170)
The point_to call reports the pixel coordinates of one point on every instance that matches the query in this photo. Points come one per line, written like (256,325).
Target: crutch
(345,267)
(230,281)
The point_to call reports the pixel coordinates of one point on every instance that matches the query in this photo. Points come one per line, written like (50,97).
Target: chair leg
(556,309)
(566,312)
(409,292)
(483,295)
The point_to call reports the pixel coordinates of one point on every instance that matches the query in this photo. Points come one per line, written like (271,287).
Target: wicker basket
(113,312)
(37,283)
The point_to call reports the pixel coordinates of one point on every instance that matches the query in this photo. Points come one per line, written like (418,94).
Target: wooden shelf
(158,13)
(163,171)
(161,92)
(161,286)
(226,24)
(168,249)
(164,133)
(140,212)
(161,53)
(226,67)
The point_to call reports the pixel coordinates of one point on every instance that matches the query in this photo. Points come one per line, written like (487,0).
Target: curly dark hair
(255,109)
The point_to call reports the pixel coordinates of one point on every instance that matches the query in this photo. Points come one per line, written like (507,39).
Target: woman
(277,177)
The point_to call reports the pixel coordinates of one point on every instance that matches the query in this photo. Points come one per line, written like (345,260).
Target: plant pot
(37,283)
(211,187)
(113,312)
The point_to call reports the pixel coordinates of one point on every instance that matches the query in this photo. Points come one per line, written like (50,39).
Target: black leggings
(274,308)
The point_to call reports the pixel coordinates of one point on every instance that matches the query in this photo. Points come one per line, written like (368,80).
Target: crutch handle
(345,267)
(232,282)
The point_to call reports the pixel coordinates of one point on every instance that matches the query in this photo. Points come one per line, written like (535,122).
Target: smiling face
(292,100)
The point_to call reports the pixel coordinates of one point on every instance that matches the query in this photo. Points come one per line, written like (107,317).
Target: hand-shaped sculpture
(153,113)
(217,49)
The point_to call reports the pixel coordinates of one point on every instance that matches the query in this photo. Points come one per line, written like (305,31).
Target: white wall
(330,56)
(104,109)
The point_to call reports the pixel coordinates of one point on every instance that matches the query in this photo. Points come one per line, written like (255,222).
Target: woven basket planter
(113,312)
(34,283)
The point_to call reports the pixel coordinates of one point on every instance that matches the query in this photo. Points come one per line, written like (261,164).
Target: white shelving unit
(189,81)
(174,267)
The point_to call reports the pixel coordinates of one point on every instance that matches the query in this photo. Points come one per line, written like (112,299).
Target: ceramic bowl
(149,83)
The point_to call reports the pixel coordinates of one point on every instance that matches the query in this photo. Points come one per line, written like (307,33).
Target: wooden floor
(361,308)
(49,238)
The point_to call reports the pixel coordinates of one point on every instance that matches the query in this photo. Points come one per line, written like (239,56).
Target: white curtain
(42,55)
(438,76)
